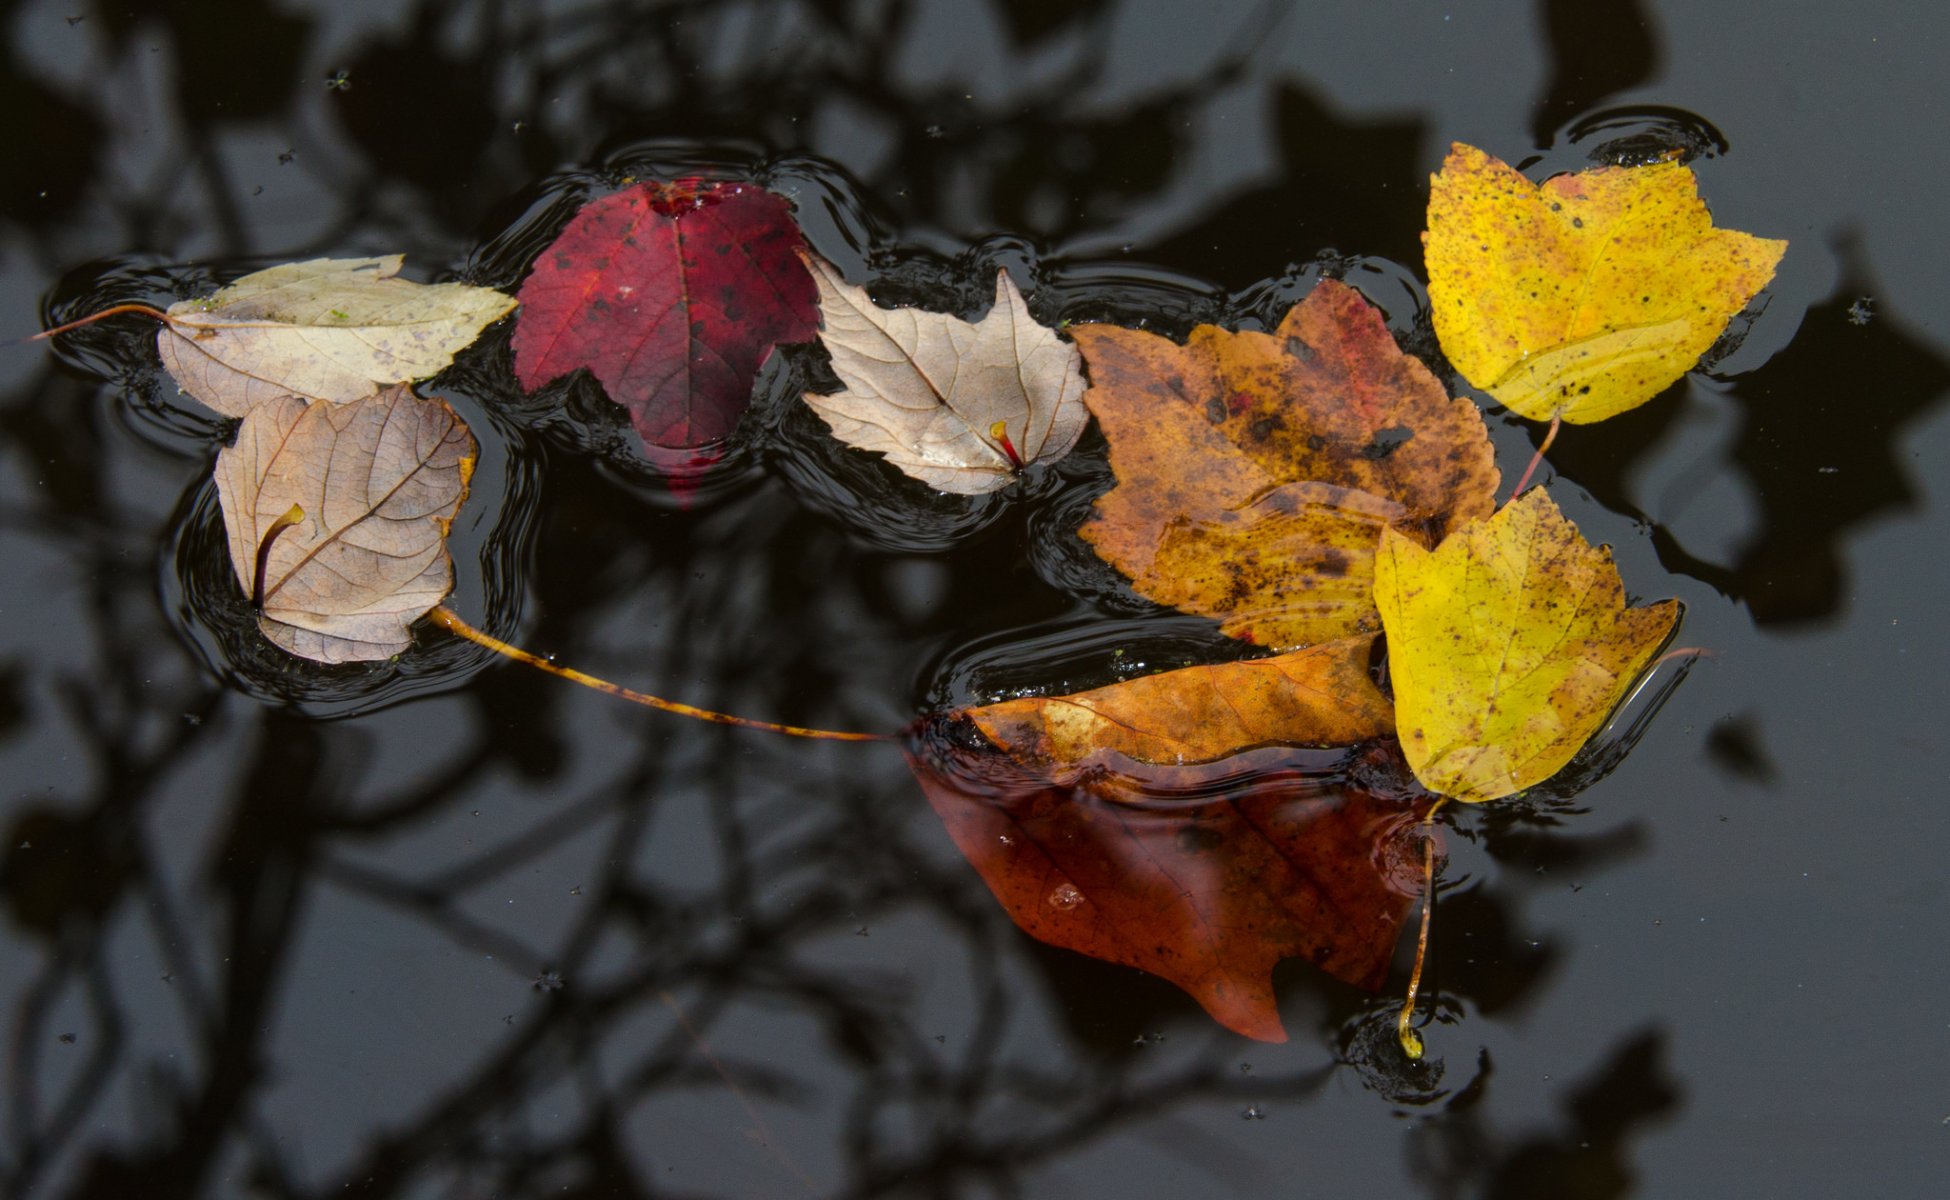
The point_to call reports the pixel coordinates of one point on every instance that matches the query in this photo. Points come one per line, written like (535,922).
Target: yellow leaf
(1509,644)
(1588,294)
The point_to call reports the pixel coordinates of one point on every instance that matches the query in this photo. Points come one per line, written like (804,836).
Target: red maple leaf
(1206,875)
(673,295)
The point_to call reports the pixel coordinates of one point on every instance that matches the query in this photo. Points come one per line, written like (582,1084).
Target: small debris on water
(547,981)
(1862,311)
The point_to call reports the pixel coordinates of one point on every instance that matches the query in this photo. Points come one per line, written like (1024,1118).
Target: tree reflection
(183,861)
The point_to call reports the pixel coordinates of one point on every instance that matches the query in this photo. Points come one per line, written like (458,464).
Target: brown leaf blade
(1256,471)
(334,329)
(960,406)
(378,482)
(1206,876)
(1320,696)
(1197,824)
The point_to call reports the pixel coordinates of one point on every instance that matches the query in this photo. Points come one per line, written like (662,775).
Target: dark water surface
(447,928)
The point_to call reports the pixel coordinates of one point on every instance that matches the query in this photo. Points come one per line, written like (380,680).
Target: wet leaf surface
(334,329)
(1256,471)
(1205,875)
(1320,696)
(1508,646)
(372,487)
(1588,294)
(960,406)
(672,295)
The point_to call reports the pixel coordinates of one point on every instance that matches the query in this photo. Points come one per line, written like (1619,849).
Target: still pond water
(446,928)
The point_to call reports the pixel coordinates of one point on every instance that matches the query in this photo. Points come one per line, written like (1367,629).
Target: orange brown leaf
(1320,696)
(1255,472)
(1205,875)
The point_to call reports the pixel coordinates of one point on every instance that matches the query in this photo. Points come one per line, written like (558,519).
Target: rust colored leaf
(1205,875)
(347,506)
(1255,472)
(672,295)
(1320,696)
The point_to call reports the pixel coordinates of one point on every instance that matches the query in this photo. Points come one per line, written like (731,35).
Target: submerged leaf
(1586,295)
(1177,823)
(1508,646)
(1320,696)
(1205,875)
(1256,471)
(961,407)
(347,508)
(672,295)
(334,329)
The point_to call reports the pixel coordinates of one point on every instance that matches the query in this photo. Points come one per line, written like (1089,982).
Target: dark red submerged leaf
(672,294)
(1204,875)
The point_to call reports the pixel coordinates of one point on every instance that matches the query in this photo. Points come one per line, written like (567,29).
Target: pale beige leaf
(927,390)
(328,329)
(378,481)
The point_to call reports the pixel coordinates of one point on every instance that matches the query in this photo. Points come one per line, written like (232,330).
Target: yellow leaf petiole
(1412,1041)
(450,621)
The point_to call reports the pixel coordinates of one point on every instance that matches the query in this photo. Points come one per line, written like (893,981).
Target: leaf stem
(448,620)
(1412,1041)
(1557,423)
(291,517)
(147,310)
(1000,432)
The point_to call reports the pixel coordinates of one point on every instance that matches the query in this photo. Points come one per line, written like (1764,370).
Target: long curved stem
(451,622)
(1557,423)
(147,310)
(1412,1041)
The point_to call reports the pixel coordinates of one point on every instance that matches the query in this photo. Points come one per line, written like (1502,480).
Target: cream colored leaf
(943,399)
(372,487)
(328,329)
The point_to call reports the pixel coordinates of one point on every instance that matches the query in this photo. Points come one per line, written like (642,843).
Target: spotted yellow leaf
(1588,294)
(1509,645)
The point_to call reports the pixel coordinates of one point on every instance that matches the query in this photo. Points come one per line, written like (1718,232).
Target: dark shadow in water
(1358,186)
(1598,48)
(1735,746)
(1588,1157)
(1819,442)
(291,822)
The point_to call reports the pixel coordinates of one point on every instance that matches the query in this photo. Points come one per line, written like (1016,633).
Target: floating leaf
(672,295)
(961,407)
(1256,471)
(1205,875)
(1586,295)
(337,516)
(334,329)
(1508,646)
(1320,696)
